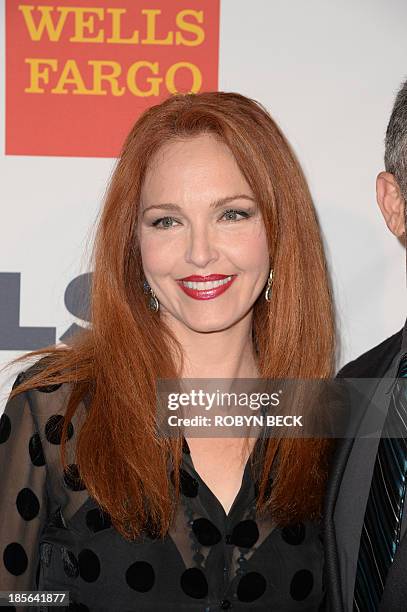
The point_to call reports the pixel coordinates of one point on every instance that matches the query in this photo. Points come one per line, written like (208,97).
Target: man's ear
(391,202)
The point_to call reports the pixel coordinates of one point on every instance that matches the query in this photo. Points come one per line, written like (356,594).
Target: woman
(206,185)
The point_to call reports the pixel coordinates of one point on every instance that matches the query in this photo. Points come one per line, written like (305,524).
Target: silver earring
(153,303)
(267,295)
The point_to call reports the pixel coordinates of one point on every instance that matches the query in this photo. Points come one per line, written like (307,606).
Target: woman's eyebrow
(216,204)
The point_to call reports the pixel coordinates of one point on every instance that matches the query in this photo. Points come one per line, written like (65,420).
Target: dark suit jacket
(341,491)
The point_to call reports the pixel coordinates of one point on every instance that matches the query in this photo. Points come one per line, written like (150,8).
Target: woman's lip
(206,294)
(202,279)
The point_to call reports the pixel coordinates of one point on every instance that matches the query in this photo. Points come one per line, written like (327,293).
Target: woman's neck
(228,353)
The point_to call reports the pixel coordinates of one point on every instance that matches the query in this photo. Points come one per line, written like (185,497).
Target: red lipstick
(209,277)
(206,293)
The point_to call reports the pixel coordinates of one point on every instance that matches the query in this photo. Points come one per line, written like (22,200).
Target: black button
(225,604)
(228,538)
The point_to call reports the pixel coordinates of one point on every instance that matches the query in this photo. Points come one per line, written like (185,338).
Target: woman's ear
(391,202)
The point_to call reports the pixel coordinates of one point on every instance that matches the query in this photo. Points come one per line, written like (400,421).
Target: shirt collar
(392,371)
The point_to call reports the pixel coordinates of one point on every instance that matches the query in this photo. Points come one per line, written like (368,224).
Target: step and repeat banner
(77,74)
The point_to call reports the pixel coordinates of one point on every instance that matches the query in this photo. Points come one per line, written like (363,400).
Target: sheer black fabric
(54,536)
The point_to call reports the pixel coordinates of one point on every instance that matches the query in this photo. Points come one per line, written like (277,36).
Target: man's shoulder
(374,362)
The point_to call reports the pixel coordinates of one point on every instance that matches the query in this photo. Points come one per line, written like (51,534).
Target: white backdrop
(328,73)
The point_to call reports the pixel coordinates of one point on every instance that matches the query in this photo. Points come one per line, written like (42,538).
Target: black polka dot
(245,534)
(15,559)
(251,586)
(70,563)
(189,486)
(206,532)
(45,553)
(5,428)
(53,429)
(97,519)
(27,503)
(293,534)
(20,378)
(194,583)
(89,565)
(140,576)
(72,478)
(49,388)
(36,451)
(301,585)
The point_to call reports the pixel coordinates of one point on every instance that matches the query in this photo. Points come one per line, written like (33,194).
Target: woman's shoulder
(31,434)
(45,397)
(48,406)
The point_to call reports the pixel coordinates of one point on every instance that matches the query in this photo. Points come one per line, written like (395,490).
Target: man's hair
(395,155)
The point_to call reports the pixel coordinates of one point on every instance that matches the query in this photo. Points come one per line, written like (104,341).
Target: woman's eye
(165,225)
(231,214)
(167,222)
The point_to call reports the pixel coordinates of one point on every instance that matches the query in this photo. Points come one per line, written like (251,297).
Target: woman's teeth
(206,285)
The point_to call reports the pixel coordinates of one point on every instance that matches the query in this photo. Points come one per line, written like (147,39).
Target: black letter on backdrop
(77,302)
(12,336)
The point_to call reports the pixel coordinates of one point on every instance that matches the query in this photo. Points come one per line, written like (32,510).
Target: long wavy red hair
(117,360)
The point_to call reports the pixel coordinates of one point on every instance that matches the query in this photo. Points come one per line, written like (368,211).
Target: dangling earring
(153,303)
(267,295)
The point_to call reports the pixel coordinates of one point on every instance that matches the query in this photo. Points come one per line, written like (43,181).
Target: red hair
(116,362)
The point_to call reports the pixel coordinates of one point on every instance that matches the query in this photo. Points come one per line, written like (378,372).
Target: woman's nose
(201,248)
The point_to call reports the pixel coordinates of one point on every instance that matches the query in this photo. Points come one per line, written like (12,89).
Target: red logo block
(78,74)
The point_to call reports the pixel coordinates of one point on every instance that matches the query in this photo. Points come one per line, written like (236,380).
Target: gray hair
(395,156)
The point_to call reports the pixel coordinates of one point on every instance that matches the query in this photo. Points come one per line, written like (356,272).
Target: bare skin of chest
(220,462)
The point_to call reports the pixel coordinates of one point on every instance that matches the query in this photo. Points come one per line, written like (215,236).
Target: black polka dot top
(53,535)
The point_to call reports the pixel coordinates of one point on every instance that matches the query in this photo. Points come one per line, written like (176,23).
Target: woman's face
(185,230)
